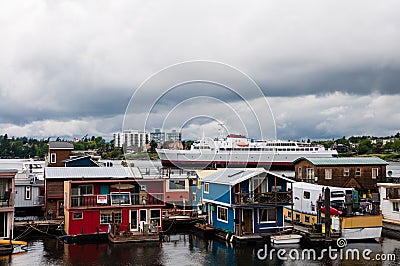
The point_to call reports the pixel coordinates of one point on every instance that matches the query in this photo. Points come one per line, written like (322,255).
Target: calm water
(181,250)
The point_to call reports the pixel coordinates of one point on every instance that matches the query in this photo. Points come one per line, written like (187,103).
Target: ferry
(240,151)
(350,218)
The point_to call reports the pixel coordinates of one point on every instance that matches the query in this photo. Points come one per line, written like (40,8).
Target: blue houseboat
(246,203)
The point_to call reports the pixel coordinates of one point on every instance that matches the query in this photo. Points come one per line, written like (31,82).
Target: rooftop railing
(268,198)
(117,199)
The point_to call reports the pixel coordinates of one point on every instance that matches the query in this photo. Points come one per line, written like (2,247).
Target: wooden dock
(311,235)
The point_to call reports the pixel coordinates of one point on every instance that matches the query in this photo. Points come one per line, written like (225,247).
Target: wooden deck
(124,237)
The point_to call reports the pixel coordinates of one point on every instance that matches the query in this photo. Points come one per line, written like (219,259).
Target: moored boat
(286,239)
(12,246)
(239,151)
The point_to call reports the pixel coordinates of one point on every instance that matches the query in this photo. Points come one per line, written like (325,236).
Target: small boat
(12,246)
(286,239)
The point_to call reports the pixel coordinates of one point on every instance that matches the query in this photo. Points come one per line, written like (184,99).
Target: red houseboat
(124,209)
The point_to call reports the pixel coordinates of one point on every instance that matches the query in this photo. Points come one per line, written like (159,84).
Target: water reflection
(182,249)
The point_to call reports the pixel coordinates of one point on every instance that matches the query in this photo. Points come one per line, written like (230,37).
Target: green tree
(365,146)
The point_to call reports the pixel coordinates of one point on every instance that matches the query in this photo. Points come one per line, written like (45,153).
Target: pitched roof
(337,161)
(232,176)
(61,145)
(91,172)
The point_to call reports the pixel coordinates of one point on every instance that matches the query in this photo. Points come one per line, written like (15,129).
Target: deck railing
(268,198)
(117,199)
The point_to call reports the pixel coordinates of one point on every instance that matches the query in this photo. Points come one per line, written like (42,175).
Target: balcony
(268,198)
(117,199)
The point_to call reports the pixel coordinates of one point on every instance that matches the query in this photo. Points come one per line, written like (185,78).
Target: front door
(247,221)
(134,220)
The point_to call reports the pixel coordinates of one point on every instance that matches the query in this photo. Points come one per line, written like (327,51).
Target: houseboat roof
(63,145)
(232,176)
(343,161)
(91,172)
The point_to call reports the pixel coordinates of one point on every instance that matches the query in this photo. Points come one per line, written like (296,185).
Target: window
(53,158)
(328,173)
(395,206)
(206,187)
(77,215)
(297,217)
(155,217)
(299,173)
(310,173)
(28,194)
(86,189)
(222,214)
(143,215)
(307,219)
(346,172)
(358,171)
(122,198)
(106,217)
(374,173)
(177,184)
(267,215)
(306,195)
(194,196)
(312,207)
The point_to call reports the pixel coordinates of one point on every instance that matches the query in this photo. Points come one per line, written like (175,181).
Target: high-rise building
(160,137)
(131,139)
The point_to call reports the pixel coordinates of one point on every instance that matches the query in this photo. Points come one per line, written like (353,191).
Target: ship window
(395,206)
(306,195)
(222,214)
(267,215)
(206,187)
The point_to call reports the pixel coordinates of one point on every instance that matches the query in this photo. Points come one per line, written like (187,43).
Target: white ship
(239,151)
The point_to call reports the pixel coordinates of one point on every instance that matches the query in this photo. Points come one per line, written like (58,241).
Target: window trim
(218,218)
(377,173)
(86,186)
(358,171)
(159,218)
(328,176)
(309,172)
(53,157)
(266,222)
(206,185)
(77,218)
(28,190)
(346,172)
(394,207)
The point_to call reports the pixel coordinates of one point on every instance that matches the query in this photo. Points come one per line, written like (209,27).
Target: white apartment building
(160,137)
(131,139)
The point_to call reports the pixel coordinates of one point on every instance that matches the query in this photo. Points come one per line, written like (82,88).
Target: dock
(26,229)
(313,236)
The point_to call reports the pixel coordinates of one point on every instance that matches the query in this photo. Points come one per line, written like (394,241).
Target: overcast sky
(70,68)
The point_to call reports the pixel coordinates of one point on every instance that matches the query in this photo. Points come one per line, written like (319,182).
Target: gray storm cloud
(330,66)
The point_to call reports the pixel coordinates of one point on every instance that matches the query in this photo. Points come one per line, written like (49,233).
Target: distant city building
(161,137)
(131,139)
(174,136)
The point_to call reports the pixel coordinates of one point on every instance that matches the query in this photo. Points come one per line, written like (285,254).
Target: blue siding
(222,225)
(265,225)
(218,192)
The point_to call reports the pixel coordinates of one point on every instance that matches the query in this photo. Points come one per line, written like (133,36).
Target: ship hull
(204,159)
